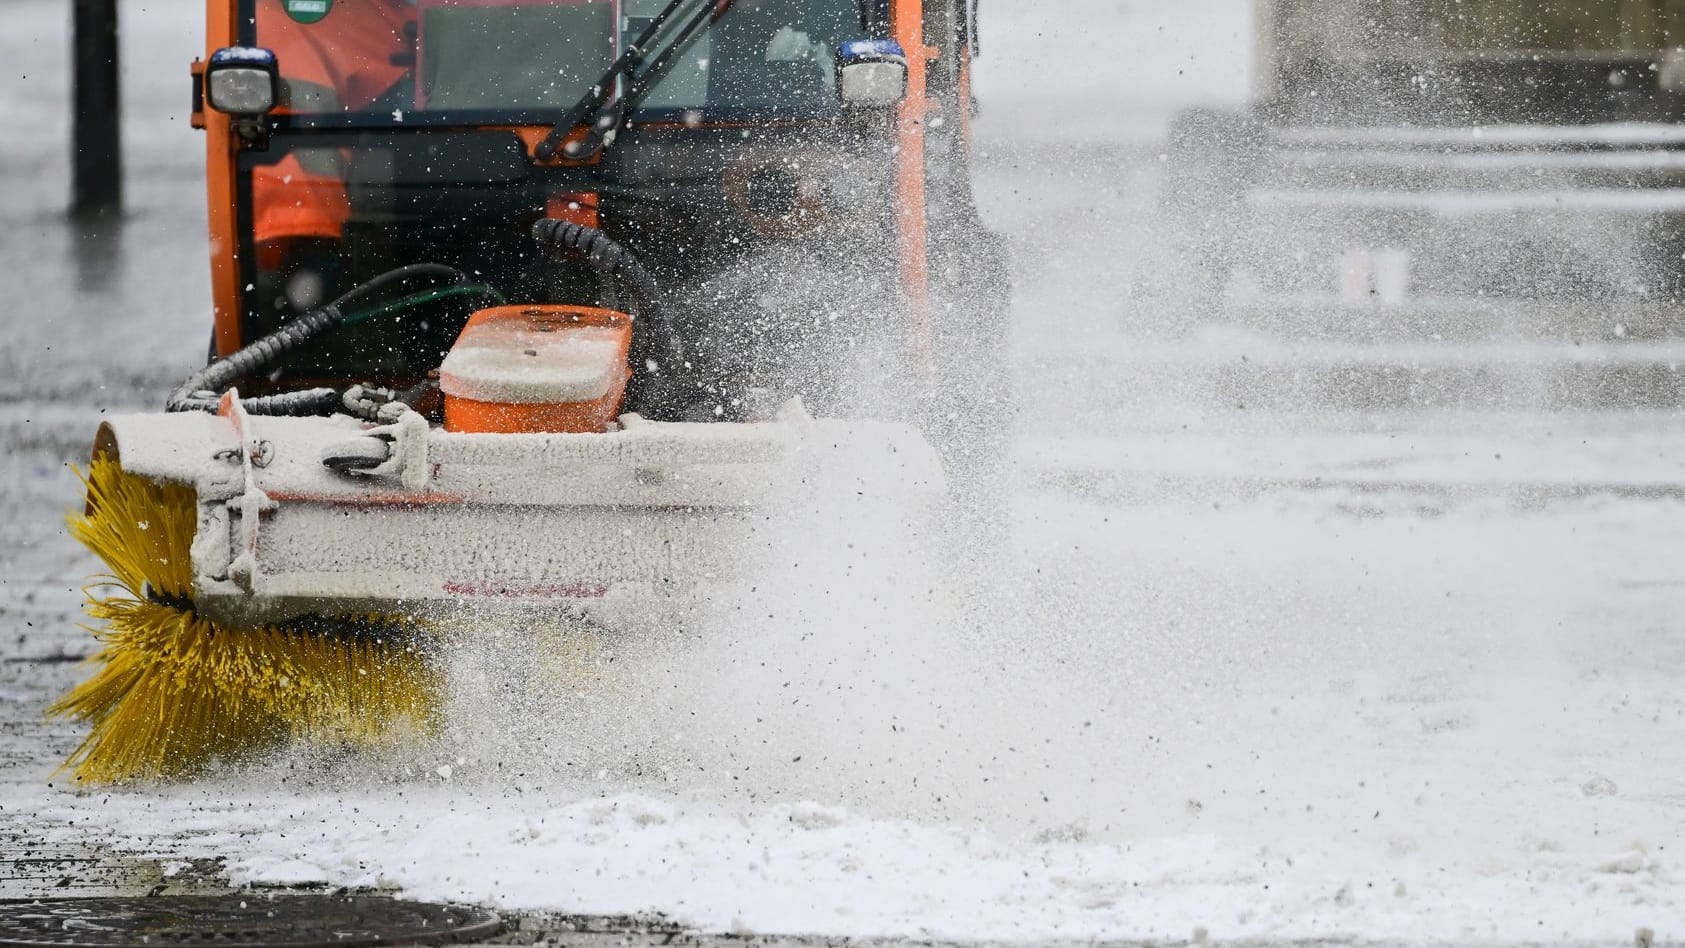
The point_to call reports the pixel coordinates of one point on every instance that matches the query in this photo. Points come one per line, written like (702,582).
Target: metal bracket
(396,450)
(251,503)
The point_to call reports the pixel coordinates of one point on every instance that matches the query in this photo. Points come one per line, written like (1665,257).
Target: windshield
(396,61)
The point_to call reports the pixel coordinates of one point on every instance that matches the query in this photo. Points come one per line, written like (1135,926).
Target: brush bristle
(175,691)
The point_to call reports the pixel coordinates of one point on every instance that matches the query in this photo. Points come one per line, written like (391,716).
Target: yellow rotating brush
(176,691)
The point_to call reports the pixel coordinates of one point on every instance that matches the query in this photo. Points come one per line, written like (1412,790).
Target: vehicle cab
(349,137)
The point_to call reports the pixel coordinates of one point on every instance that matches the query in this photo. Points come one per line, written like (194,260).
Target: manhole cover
(239,921)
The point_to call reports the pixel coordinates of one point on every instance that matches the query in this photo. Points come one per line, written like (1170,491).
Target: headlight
(871,72)
(880,83)
(241,81)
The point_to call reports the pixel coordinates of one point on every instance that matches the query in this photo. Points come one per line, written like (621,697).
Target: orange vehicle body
(457,366)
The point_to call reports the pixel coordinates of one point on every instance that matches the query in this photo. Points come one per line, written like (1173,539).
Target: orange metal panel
(512,329)
(906,23)
(531,135)
(584,208)
(963,95)
(221,193)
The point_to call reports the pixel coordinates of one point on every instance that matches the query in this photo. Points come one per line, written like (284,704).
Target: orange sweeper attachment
(524,303)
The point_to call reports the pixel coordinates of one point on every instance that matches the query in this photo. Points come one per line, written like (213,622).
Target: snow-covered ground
(1247,674)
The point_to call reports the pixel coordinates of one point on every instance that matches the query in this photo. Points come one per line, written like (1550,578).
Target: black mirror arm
(593,100)
(643,79)
(599,93)
(874,17)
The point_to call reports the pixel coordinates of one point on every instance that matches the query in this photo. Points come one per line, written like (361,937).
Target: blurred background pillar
(96,138)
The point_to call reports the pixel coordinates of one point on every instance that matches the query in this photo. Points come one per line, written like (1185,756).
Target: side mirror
(242,81)
(871,73)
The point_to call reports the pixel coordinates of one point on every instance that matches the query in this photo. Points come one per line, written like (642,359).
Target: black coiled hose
(203,390)
(662,384)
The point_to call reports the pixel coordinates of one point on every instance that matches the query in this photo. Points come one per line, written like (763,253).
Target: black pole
(97,162)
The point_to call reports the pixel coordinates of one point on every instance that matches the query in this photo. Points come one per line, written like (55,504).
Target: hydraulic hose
(203,390)
(656,349)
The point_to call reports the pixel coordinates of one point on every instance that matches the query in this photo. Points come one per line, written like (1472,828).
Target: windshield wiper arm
(634,65)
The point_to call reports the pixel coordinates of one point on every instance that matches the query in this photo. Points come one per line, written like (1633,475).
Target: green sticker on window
(307,11)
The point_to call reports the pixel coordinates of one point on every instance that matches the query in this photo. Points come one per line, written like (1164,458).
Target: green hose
(424,297)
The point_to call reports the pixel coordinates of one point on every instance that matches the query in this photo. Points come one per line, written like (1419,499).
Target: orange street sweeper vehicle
(534,302)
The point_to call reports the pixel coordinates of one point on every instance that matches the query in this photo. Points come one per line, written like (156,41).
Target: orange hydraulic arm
(906,22)
(221,195)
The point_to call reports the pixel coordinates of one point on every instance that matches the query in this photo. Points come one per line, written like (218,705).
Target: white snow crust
(817,868)
(502,364)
